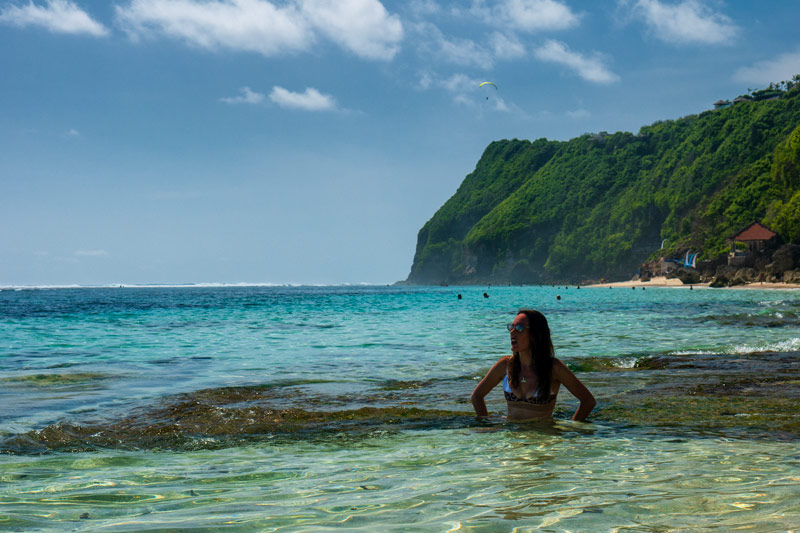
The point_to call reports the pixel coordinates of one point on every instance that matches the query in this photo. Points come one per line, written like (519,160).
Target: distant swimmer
(485,295)
(531,375)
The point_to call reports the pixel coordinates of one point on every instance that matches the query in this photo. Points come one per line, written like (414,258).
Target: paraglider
(488,83)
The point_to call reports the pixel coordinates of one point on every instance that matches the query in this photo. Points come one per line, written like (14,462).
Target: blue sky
(307,141)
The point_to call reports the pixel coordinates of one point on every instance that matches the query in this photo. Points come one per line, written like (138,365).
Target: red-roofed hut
(756,236)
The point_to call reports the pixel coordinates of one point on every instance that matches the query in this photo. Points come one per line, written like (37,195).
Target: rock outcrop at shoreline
(778,265)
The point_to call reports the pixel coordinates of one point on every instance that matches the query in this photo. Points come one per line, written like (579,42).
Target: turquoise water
(316,408)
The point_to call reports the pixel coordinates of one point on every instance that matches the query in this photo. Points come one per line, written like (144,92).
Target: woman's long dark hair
(542,351)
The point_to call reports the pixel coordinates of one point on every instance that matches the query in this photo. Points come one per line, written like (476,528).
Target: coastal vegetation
(599,205)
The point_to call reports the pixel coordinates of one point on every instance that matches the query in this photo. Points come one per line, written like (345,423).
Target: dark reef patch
(741,395)
(224,417)
(45,380)
(752,395)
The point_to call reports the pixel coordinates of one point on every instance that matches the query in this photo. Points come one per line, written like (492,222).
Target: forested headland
(599,205)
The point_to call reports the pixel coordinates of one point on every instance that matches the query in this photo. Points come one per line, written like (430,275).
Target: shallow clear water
(308,408)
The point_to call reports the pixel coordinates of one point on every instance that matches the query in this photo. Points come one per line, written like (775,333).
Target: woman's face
(521,341)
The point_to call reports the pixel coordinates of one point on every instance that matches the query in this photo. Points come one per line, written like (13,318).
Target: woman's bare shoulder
(559,367)
(502,362)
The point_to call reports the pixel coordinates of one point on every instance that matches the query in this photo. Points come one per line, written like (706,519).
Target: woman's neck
(526,358)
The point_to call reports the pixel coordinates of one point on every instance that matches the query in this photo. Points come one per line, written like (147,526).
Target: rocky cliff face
(599,205)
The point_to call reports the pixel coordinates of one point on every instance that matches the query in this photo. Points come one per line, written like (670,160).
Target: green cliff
(598,205)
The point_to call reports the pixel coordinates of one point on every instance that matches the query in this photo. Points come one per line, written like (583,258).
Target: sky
(308,141)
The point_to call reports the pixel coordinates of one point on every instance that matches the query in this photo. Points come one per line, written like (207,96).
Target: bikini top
(511,397)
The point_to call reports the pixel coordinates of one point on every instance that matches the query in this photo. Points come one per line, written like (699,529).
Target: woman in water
(531,376)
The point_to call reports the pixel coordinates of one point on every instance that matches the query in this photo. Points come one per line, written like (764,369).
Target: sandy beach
(766,285)
(659,281)
(662,281)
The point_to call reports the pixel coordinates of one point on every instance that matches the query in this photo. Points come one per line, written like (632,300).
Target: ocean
(257,408)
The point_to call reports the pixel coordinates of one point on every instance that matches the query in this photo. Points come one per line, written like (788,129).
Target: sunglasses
(519,327)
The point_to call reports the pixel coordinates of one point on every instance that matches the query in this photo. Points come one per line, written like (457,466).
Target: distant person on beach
(531,376)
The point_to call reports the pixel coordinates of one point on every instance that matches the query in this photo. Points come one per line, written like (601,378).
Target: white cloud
(578,114)
(363,27)
(536,15)
(425,81)
(464,52)
(73,133)
(589,68)
(310,100)
(783,67)
(421,8)
(459,51)
(458,83)
(506,47)
(246,97)
(463,99)
(58,16)
(91,253)
(690,21)
(466,91)
(248,25)
(499,104)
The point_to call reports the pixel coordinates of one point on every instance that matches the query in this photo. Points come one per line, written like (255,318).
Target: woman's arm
(563,374)
(492,378)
